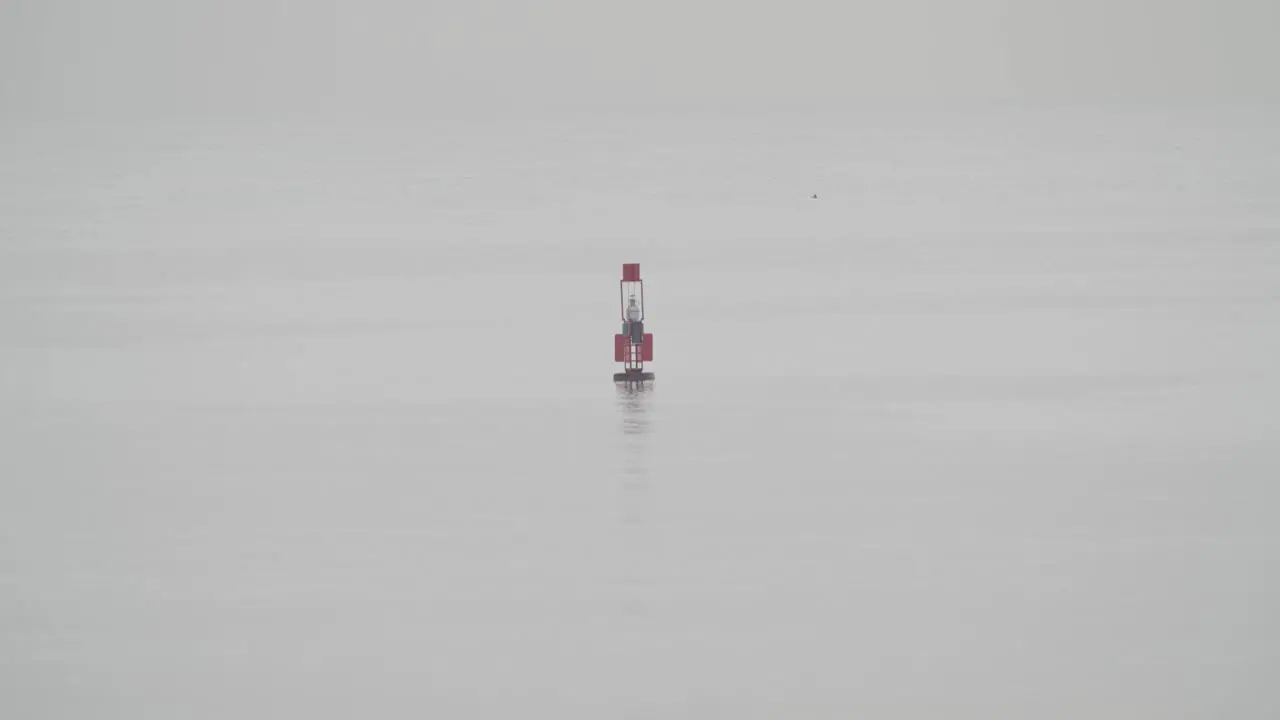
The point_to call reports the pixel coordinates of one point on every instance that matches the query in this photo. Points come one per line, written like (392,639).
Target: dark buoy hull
(632,376)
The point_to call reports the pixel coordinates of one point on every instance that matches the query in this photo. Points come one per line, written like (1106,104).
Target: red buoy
(632,347)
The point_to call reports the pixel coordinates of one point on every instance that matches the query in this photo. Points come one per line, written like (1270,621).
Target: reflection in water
(633,399)
(635,404)
(635,497)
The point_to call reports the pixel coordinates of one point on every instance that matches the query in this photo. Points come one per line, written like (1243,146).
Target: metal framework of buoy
(632,347)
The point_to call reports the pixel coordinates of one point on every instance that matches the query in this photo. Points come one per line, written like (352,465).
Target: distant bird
(815,196)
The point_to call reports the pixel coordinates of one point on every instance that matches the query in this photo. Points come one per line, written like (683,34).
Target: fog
(369,59)
(966,387)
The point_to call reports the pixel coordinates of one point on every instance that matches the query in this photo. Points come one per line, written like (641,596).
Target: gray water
(318,422)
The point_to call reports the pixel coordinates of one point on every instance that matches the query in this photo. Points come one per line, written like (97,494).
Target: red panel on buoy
(646,349)
(620,348)
(631,272)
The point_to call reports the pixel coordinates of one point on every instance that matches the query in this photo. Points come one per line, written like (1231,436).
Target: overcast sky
(268,56)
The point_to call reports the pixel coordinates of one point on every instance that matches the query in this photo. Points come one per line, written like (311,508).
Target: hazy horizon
(150,58)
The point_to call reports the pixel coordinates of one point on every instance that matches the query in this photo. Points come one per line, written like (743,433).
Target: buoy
(632,347)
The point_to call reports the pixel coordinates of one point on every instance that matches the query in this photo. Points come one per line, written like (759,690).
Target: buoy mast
(632,347)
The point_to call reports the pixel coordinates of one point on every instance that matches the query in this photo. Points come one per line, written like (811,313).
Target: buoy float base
(632,376)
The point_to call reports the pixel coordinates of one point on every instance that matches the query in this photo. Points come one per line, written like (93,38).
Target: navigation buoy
(632,347)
